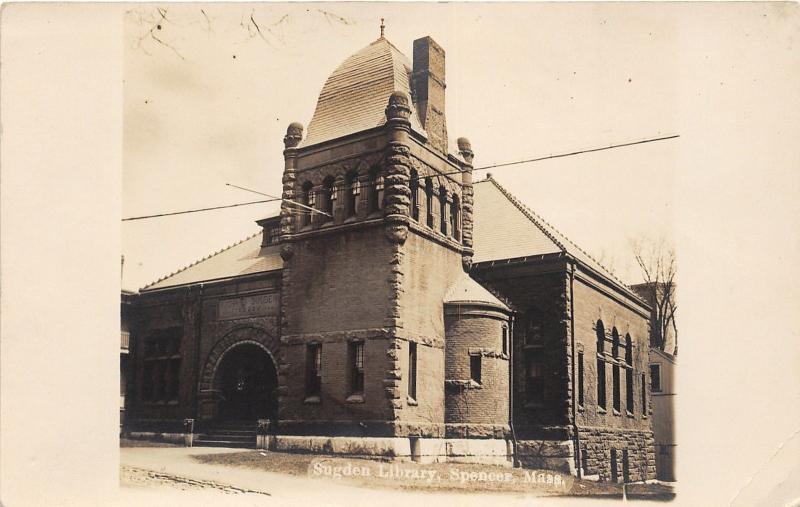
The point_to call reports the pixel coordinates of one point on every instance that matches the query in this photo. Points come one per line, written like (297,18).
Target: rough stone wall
(475,409)
(596,446)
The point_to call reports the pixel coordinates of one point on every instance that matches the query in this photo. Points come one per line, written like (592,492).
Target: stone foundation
(557,455)
(596,456)
(421,450)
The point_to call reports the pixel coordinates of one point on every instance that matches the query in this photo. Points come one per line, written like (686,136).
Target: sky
(208,98)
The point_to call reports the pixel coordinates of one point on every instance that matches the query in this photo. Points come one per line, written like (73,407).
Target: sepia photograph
(379,253)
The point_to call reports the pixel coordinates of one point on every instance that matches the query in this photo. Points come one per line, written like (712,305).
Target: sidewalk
(262,487)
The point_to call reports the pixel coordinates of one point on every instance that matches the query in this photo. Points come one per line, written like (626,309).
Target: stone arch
(237,336)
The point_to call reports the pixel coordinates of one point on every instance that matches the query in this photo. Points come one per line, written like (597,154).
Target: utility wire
(197,210)
(493,166)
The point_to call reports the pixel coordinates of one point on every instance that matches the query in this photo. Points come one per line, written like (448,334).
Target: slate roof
(467,290)
(243,258)
(504,228)
(355,95)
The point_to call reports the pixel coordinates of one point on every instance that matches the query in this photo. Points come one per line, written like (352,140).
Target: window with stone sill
(352,191)
(327,197)
(375,191)
(655,377)
(313,371)
(412,373)
(307,198)
(162,361)
(475,368)
(443,210)
(356,360)
(429,202)
(414,187)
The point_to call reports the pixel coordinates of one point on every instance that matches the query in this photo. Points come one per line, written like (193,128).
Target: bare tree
(658,266)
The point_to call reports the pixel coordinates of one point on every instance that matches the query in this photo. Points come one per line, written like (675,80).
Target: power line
(366,184)
(198,210)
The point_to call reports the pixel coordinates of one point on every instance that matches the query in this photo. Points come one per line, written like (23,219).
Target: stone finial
(465,149)
(398,106)
(294,134)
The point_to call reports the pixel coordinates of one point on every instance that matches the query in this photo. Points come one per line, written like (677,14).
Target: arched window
(429,201)
(601,337)
(601,366)
(443,210)
(307,199)
(352,189)
(414,185)
(629,374)
(614,343)
(376,190)
(455,217)
(327,198)
(628,349)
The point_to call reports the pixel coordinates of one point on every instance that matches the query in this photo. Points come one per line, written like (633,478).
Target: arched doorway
(247,383)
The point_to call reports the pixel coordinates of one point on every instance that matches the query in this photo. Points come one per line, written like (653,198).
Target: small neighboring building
(126,318)
(662,385)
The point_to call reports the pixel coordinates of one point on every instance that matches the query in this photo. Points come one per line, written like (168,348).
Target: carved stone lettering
(249,306)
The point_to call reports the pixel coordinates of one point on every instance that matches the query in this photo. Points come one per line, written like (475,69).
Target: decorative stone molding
(238,336)
(294,134)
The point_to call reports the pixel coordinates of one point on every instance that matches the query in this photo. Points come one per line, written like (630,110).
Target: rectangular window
(314,369)
(534,378)
(475,368)
(504,343)
(357,367)
(162,359)
(580,379)
(615,386)
(629,390)
(644,394)
(655,377)
(601,383)
(412,370)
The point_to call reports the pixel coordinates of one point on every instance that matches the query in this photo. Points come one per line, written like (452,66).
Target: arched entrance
(246,382)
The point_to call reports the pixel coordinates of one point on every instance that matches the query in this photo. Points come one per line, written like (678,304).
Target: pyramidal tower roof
(355,95)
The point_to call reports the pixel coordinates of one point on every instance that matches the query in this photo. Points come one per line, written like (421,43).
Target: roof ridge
(531,214)
(201,260)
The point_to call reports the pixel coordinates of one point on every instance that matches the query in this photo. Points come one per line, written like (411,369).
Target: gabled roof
(243,258)
(355,95)
(467,290)
(504,228)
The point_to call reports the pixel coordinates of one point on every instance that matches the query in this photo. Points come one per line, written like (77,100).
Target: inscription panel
(260,305)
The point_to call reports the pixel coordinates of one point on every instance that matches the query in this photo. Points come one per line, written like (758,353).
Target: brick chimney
(428,86)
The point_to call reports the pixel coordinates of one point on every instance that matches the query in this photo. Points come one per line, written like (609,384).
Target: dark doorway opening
(248,384)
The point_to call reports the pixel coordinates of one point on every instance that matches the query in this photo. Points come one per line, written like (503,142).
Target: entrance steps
(240,434)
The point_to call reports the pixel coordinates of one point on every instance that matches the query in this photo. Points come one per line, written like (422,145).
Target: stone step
(222,437)
(198,442)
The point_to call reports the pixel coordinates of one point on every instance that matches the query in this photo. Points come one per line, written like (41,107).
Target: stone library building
(396,307)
